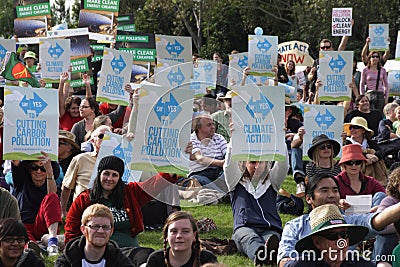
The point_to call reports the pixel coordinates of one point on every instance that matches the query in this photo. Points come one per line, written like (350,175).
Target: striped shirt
(312,169)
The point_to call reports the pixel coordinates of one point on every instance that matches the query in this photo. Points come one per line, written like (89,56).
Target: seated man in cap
(329,240)
(67,149)
(323,189)
(222,118)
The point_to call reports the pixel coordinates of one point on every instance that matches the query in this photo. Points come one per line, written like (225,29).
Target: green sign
(128,27)
(79,83)
(33,10)
(141,54)
(79,65)
(104,5)
(133,38)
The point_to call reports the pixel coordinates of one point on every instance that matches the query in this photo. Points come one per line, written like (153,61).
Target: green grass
(222,216)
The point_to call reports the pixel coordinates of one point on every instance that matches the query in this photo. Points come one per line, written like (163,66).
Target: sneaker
(35,248)
(52,250)
(267,255)
(300,188)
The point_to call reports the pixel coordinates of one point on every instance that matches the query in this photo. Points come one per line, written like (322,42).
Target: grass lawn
(222,216)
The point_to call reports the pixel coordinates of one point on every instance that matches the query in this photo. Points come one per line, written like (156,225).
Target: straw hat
(319,140)
(327,217)
(358,121)
(352,152)
(68,137)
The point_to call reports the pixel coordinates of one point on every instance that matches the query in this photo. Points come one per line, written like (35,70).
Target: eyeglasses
(355,127)
(100,136)
(36,167)
(353,162)
(84,107)
(374,56)
(10,240)
(325,47)
(335,235)
(97,227)
(62,143)
(326,146)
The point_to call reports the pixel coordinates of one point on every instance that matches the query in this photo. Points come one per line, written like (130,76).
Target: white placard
(341,21)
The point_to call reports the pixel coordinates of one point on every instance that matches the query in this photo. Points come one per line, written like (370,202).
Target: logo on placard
(397,75)
(3,51)
(263,46)
(208,67)
(174,49)
(33,107)
(126,155)
(243,62)
(379,30)
(262,106)
(170,109)
(196,75)
(118,64)
(337,65)
(327,119)
(176,77)
(55,51)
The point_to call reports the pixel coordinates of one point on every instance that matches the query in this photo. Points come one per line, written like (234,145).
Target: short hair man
(208,153)
(95,246)
(222,118)
(322,189)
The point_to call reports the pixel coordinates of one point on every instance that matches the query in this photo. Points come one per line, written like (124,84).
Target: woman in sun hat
(30,59)
(322,153)
(352,181)
(329,240)
(357,132)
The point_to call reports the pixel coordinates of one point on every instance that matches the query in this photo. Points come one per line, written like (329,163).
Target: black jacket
(73,254)
(28,259)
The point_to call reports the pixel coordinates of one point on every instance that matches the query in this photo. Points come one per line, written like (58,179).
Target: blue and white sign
(237,63)
(335,73)
(204,76)
(6,45)
(397,55)
(116,145)
(174,48)
(394,82)
(379,34)
(54,57)
(169,74)
(160,142)
(263,54)
(320,119)
(116,72)
(258,119)
(30,123)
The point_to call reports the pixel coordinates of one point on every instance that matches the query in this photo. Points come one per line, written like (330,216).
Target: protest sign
(341,21)
(397,56)
(169,75)
(237,63)
(204,77)
(160,142)
(335,73)
(30,19)
(394,82)
(54,57)
(98,50)
(379,34)
(126,22)
(115,74)
(321,119)
(141,45)
(263,54)
(174,48)
(258,119)
(6,45)
(296,51)
(116,145)
(30,123)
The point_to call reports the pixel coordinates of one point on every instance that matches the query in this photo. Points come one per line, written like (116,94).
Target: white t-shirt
(86,263)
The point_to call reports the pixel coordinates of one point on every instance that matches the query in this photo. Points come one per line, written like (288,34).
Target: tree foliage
(6,18)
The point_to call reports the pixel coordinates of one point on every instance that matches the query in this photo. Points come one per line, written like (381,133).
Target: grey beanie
(112,163)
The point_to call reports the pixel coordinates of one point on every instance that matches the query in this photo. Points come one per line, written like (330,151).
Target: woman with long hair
(374,82)
(181,244)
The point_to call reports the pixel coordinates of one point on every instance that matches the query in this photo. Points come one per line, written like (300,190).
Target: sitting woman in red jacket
(124,200)
(352,181)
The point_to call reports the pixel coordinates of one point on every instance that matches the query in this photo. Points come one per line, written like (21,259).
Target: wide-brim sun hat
(319,140)
(30,54)
(328,217)
(358,121)
(68,137)
(352,152)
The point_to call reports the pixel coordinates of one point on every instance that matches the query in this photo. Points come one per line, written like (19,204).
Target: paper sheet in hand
(359,204)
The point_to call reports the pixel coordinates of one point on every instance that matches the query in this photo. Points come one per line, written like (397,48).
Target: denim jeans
(297,162)
(248,240)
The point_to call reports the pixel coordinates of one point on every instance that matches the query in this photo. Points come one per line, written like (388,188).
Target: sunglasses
(35,167)
(353,162)
(335,235)
(100,136)
(374,56)
(325,47)
(62,143)
(326,146)
(10,240)
(356,127)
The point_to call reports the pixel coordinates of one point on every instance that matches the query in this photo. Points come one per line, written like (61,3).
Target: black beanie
(112,163)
